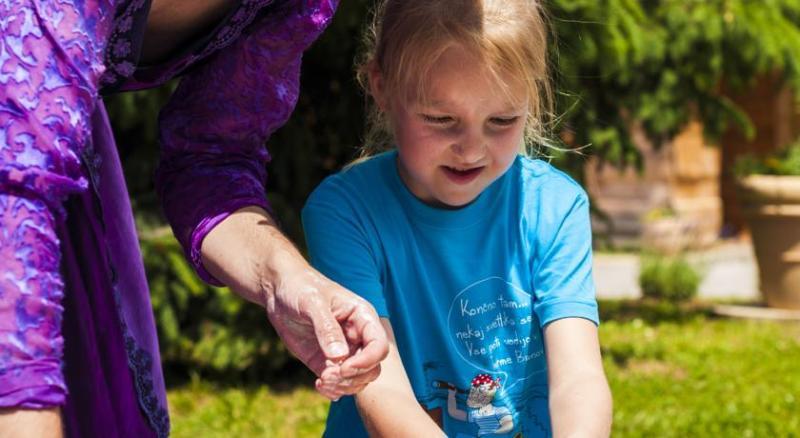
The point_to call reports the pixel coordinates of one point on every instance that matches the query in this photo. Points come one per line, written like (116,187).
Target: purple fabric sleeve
(50,63)
(31,345)
(214,128)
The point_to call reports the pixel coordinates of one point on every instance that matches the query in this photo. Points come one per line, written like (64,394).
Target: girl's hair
(407,37)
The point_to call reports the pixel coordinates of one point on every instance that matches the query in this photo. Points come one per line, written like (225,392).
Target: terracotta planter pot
(771,205)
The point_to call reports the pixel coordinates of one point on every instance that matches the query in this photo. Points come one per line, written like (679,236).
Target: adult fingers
(317,363)
(329,333)
(375,347)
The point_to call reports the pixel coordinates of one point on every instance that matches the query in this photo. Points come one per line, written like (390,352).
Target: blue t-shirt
(467,290)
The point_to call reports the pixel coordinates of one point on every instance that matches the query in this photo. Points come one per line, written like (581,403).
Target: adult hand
(335,333)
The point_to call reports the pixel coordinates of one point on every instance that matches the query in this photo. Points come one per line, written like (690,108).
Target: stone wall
(685,195)
(671,205)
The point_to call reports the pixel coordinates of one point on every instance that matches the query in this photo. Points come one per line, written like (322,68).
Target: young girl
(477,258)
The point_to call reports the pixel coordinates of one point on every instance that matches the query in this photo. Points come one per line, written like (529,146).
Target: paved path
(729,271)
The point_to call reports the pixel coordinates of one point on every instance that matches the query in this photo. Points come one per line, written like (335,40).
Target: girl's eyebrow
(431,103)
(514,109)
(443,104)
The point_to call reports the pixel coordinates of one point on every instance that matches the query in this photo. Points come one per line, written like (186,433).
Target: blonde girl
(477,258)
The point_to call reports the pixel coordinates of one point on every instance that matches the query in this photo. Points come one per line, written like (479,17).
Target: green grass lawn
(704,378)
(672,374)
(201,409)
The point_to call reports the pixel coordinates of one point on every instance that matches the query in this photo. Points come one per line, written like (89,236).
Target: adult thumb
(329,334)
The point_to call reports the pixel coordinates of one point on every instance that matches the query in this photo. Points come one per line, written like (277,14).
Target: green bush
(662,64)
(204,329)
(783,162)
(668,278)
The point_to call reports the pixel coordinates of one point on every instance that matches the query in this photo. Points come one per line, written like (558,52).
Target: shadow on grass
(653,311)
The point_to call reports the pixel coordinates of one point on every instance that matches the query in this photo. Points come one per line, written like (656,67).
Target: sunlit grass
(202,409)
(704,378)
(671,375)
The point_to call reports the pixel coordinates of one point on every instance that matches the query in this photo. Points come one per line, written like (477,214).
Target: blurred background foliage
(204,330)
(668,278)
(615,63)
(785,161)
(661,64)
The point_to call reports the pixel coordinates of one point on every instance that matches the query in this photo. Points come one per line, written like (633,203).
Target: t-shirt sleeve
(338,244)
(562,268)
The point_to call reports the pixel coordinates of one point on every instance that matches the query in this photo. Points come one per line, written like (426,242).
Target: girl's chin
(453,202)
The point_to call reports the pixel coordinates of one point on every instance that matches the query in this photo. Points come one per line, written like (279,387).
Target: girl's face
(463,135)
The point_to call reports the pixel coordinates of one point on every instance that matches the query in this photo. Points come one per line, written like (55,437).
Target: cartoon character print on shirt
(490,418)
(499,356)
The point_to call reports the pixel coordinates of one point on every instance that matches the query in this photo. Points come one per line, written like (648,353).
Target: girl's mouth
(462,176)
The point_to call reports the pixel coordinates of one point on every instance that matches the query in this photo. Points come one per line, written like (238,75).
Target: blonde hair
(407,37)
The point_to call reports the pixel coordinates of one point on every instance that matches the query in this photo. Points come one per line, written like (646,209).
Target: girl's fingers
(335,383)
(327,391)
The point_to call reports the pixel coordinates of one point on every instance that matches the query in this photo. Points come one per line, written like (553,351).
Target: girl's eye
(504,121)
(437,120)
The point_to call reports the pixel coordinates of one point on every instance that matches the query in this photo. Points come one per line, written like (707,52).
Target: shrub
(668,278)
(783,162)
(205,329)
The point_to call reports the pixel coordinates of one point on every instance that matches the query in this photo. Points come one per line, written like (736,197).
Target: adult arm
(211,181)
(388,406)
(51,62)
(26,423)
(580,400)
(174,23)
(250,254)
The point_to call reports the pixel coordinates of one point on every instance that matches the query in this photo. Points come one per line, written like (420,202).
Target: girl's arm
(580,399)
(388,406)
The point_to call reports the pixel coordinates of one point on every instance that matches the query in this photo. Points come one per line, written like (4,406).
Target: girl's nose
(470,148)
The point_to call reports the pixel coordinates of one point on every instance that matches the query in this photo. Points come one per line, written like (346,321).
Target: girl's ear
(376,85)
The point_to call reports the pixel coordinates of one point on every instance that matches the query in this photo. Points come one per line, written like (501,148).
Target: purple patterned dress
(76,326)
